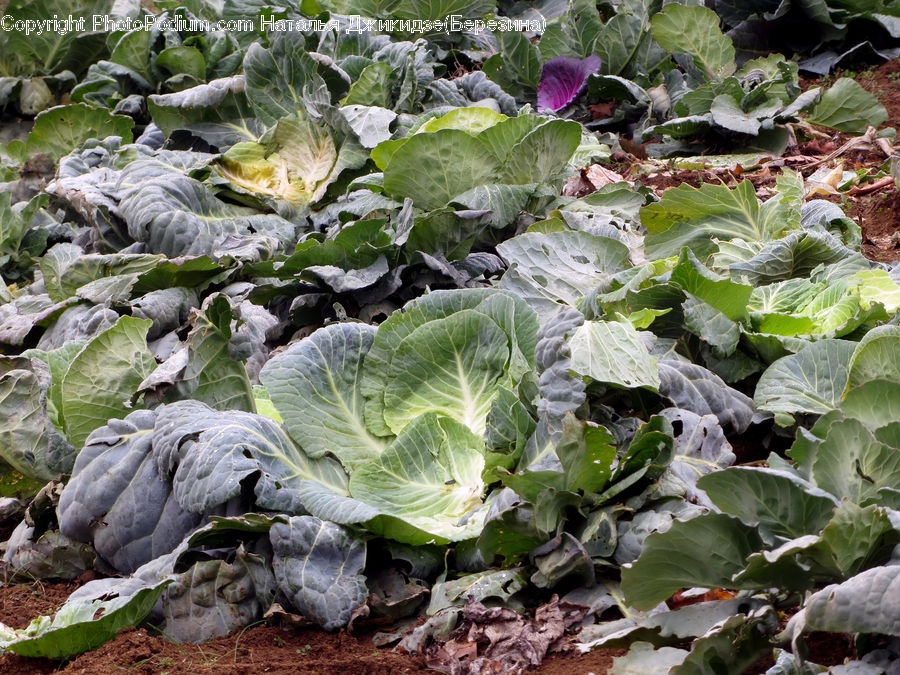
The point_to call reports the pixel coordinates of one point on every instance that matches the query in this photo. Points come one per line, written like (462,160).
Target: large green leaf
(117,500)
(217,112)
(866,603)
(794,256)
(687,216)
(177,215)
(517,68)
(81,624)
(851,463)
(627,47)
(875,403)
(433,168)
(399,325)
(66,268)
(314,385)
(58,131)
(429,477)
(857,537)
(811,381)
(846,106)
(875,357)
(669,561)
(545,269)
(695,31)
(587,453)
(612,351)
(541,154)
(734,644)
(728,297)
(701,391)
(643,659)
(103,376)
(216,451)
(773,500)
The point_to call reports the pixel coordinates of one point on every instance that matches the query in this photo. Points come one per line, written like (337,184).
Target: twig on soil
(884,182)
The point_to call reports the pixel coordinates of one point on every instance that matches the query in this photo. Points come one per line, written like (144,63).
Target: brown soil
(257,649)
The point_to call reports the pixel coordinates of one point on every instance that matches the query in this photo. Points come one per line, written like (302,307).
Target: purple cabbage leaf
(563,79)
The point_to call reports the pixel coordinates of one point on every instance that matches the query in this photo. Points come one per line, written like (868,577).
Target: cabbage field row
(303,318)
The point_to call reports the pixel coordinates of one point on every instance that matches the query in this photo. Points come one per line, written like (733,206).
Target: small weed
(304,650)
(279,642)
(165,662)
(894,76)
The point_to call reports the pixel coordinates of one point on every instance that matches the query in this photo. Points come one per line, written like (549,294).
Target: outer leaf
(215,451)
(318,565)
(700,448)
(103,377)
(60,130)
(643,659)
(725,295)
(74,629)
(794,256)
(541,154)
(212,599)
(370,123)
(29,441)
(669,563)
(612,351)
(587,453)
(735,644)
(216,111)
(429,477)
(517,67)
(117,499)
(695,31)
(283,78)
(875,403)
(703,392)
(771,499)
(687,216)
(177,215)
(314,385)
(867,603)
(857,538)
(846,106)
(874,357)
(547,268)
(811,381)
(851,463)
